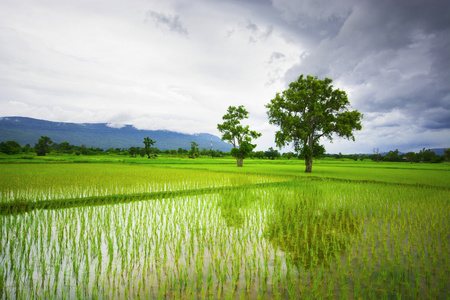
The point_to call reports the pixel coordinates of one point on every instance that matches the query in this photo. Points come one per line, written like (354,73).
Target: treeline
(13,147)
(424,155)
(46,145)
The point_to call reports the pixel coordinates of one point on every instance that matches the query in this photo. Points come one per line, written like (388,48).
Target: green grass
(182,228)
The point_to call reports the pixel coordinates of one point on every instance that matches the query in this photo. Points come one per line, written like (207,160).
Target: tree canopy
(309,110)
(238,135)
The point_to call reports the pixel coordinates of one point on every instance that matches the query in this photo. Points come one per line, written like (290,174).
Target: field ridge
(22,206)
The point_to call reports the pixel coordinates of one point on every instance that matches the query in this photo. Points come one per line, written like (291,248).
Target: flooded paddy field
(240,235)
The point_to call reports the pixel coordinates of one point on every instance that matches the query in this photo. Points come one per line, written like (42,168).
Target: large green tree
(238,135)
(309,110)
(148,142)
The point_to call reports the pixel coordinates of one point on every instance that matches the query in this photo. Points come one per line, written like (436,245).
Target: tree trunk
(308,163)
(239,161)
(309,157)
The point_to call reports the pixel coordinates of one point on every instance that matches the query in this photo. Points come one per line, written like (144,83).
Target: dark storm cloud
(391,55)
(168,21)
(314,20)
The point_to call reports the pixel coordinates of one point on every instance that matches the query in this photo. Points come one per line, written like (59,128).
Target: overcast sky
(178,65)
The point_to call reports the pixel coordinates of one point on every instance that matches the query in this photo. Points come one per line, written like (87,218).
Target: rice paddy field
(205,229)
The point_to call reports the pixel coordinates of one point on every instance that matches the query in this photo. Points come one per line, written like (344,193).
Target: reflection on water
(309,234)
(180,247)
(267,243)
(231,204)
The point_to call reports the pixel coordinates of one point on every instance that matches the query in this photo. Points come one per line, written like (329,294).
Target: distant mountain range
(28,131)
(437,151)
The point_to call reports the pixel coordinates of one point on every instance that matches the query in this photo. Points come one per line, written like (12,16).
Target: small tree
(182,151)
(236,134)
(84,150)
(26,148)
(309,110)
(447,154)
(391,156)
(427,155)
(410,156)
(259,154)
(194,152)
(64,147)
(148,145)
(133,151)
(10,147)
(272,153)
(43,146)
(376,152)
(288,155)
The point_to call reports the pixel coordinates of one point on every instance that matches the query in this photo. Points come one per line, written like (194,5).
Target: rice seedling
(297,237)
(38,182)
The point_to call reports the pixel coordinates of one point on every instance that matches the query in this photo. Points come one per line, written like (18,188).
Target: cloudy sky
(178,65)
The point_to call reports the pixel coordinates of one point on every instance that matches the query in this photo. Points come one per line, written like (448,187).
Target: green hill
(28,131)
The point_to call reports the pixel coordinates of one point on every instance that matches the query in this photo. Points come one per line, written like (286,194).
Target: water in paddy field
(267,243)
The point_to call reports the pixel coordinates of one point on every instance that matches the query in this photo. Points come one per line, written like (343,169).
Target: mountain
(28,131)
(438,151)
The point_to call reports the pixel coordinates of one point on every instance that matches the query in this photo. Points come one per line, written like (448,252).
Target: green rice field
(205,229)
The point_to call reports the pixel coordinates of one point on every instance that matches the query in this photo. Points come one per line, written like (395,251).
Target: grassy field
(112,227)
